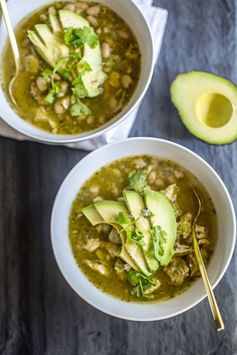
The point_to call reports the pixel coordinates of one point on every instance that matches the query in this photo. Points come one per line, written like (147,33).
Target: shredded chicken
(177,270)
(96,266)
(182,249)
(153,288)
(92,244)
(114,237)
(112,249)
(171,192)
(200,231)
(185,225)
(120,269)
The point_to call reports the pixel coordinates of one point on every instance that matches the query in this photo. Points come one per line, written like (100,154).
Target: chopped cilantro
(137,180)
(55,89)
(50,97)
(122,218)
(47,73)
(159,237)
(79,109)
(140,281)
(137,237)
(77,37)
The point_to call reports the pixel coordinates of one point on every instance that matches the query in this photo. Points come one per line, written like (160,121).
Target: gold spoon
(211,297)
(15,50)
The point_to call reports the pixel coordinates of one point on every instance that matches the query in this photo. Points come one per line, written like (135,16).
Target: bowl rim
(38,134)
(100,307)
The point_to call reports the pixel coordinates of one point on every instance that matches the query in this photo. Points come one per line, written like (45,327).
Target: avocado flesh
(136,206)
(107,212)
(207,105)
(54,23)
(163,216)
(49,46)
(93,79)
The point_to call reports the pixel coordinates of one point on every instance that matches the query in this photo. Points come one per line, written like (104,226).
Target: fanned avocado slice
(49,46)
(109,211)
(207,104)
(136,206)
(54,23)
(94,78)
(95,218)
(164,217)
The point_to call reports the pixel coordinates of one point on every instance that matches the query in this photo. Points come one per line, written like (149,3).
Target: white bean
(93,11)
(93,21)
(82,5)
(106,50)
(41,83)
(58,108)
(126,81)
(64,87)
(70,7)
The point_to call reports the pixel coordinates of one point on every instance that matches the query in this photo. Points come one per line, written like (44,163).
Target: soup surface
(97,249)
(81,65)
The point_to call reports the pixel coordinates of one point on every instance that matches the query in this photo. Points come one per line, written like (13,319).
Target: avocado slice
(49,46)
(93,79)
(54,23)
(136,206)
(207,104)
(163,216)
(109,211)
(95,218)
(130,252)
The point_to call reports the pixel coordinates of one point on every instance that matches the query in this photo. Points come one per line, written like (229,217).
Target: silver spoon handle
(11,33)
(210,294)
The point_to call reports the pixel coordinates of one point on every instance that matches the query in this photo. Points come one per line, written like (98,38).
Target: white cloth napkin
(156,18)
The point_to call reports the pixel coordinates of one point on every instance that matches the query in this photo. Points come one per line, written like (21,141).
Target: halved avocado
(207,104)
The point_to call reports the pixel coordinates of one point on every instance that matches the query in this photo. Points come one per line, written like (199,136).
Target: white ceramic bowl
(132,15)
(94,161)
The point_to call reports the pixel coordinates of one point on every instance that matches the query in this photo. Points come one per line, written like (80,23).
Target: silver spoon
(14,46)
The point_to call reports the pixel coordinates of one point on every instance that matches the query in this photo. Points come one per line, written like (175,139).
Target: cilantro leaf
(122,218)
(50,97)
(55,89)
(159,237)
(77,37)
(88,35)
(79,109)
(47,73)
(137,237)
(137,180)
(140,281)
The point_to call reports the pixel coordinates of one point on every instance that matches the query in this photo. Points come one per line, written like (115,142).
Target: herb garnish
(136,236)
(140,281)
(137,180)
(77,37)
(159,237)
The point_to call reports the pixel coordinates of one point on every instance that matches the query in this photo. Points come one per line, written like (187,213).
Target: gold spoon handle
(210,294)
(11,34)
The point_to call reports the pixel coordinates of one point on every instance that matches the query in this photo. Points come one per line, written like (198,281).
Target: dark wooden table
(39,313)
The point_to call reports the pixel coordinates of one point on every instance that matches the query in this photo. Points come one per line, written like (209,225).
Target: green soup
(61,98)
(97,254)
